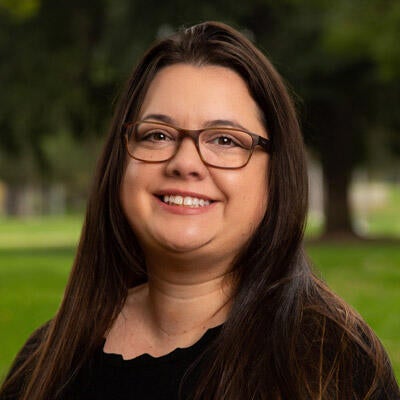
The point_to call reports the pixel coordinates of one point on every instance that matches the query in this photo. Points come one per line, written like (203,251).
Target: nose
(186,163)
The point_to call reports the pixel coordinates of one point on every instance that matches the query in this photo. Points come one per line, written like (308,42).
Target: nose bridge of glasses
(190,133)
(193,136)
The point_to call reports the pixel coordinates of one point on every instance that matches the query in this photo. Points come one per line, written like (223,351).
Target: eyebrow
(159,117)
(209,123)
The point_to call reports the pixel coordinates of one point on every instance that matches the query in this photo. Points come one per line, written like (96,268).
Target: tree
(62,64)
(50,87)
(63,61)
(342,62)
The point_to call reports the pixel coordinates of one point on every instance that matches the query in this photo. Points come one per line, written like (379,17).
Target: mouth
(184,201)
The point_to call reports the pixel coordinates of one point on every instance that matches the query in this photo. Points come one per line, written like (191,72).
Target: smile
(185,201)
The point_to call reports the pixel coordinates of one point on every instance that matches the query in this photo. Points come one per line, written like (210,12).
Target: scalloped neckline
(175,354)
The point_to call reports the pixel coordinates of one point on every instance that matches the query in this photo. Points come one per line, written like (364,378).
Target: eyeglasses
(221,147)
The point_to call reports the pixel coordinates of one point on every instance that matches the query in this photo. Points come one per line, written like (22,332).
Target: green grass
(36,255)
(31,286)
(49,232)
(367,276)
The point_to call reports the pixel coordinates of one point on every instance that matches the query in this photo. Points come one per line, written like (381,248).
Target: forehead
(191,95)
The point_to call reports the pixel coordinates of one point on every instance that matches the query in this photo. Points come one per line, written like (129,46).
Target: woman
(190,280)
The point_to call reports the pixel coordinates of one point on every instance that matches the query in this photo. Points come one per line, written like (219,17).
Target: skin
(188,252)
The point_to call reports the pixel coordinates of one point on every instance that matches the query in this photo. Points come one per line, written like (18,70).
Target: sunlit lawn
(36,255)
(368,277)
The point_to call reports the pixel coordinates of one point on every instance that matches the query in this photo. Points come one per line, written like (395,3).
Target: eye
(226,140)
(155,135)
(152,133)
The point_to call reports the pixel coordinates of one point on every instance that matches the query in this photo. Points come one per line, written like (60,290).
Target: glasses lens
(151,141)
(224,147)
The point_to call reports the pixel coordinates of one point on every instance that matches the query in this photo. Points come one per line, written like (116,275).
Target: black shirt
(170,377)
(109,376)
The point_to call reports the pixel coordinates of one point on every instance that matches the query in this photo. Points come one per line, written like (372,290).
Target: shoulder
(20,367)
(341,348)
(30,346)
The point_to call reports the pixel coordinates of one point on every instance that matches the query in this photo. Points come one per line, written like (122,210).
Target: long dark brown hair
(287,335)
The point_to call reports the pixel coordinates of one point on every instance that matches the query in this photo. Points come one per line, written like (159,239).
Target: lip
(179,210)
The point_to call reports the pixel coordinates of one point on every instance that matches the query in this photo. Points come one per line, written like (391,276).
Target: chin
(186,245)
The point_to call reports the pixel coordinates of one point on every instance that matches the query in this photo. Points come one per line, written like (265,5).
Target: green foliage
(367,29)
(20,9)
(63,61)
(50,84)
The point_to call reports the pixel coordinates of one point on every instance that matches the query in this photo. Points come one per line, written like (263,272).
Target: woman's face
(192,97)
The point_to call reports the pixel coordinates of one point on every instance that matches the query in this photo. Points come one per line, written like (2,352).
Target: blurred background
(62,65)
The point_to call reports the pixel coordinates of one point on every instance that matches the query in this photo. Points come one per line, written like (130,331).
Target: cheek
(131,193)
(258,183)
(258,200)
(246,192)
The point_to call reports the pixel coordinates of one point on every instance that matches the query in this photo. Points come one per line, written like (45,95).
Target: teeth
(186,201)
(179,200)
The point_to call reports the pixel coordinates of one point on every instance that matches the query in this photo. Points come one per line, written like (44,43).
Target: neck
(173,309)
(181,308)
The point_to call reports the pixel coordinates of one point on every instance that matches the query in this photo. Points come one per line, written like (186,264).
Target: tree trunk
(12,200)
(337,180)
